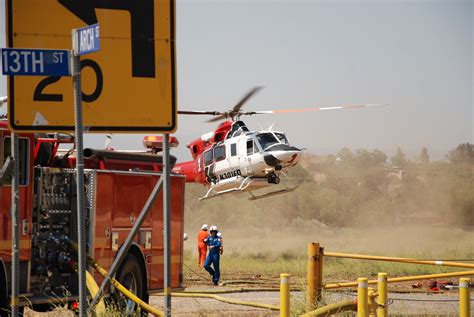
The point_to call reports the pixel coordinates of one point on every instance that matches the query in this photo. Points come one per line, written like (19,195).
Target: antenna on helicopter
(108,141)
(3,100)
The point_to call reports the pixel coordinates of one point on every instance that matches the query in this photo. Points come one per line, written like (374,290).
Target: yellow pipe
(402,279)
(93,289)
(223,299)
(332,309)
(284,295)
(362,297)
(383,295)
(464,300)
(394,259)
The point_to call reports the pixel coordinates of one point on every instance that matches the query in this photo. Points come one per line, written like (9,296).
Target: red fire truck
(117,185)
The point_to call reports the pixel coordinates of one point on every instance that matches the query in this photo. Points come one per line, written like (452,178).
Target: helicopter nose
(283,155)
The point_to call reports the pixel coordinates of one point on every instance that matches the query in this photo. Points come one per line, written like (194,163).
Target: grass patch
(268,264)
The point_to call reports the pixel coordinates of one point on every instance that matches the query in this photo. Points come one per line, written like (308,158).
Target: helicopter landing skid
(274,193)
(246,182)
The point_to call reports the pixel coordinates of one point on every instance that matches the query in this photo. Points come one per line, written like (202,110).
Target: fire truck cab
(117,185)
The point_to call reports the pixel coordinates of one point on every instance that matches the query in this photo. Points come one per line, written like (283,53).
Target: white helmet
(185,236)
(204,227)
(219,234)
(213,228)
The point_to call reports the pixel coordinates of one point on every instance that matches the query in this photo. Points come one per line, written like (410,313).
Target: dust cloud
(362,205)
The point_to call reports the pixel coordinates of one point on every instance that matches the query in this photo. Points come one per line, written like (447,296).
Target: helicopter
(232,158)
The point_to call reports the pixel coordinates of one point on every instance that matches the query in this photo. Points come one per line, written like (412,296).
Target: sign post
(166,226)
(26,62)
(15,215)
(84,41)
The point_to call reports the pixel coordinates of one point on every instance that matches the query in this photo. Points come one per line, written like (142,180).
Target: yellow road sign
(127,86)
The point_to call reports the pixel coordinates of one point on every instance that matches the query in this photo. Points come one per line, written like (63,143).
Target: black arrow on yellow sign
(142,31)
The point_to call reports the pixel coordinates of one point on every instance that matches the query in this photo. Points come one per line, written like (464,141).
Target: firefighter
(213,243)
(221,249)
(202,246)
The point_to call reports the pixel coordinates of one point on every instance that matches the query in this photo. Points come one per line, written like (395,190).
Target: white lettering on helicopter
(230,174)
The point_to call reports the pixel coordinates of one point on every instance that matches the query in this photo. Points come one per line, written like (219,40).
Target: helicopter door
(232,156)
(247,148)
(209,165)
(222,165)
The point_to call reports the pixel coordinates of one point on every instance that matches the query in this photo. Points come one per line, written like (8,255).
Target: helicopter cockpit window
(266,140)
(207,157)
(219,153)
(282,138)
(233,149)
(249,147)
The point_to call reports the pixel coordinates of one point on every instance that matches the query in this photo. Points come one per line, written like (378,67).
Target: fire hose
(346,305)
(145,306)
(225,300)
(93,287)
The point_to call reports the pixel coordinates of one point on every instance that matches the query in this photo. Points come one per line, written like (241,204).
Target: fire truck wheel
(131,276)
(3,296)
(5,310)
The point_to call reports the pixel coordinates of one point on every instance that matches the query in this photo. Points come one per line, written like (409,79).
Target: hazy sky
(416,56)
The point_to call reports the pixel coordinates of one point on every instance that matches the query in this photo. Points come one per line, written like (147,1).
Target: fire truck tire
(132,277)
(3,294)
(5,309)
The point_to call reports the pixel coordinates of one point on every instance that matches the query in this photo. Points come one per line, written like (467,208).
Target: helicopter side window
(249,147)
(219,153)
(207,156)
(233,149)
(266,140)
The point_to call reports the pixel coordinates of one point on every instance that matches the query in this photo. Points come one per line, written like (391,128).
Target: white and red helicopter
(233,158)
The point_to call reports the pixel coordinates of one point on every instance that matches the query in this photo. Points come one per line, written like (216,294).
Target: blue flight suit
(213,258)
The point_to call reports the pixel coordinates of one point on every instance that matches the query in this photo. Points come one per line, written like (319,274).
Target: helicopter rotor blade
(312,109)
(218,118)
(245,98)
(193,112)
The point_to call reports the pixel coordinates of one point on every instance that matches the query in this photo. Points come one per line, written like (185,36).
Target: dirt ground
(418,304)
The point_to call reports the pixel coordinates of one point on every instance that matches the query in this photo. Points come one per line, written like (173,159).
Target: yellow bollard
(314,279)
(464,304)
(382,291)
(362,297)
(284,295)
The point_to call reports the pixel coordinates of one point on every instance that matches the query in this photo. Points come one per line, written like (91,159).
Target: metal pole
(15,215)
(464,299)
(403,279)
(284,295)
(382,291)
(362,297)
(166,226)
(401,260)
(81,225)
(314,275)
